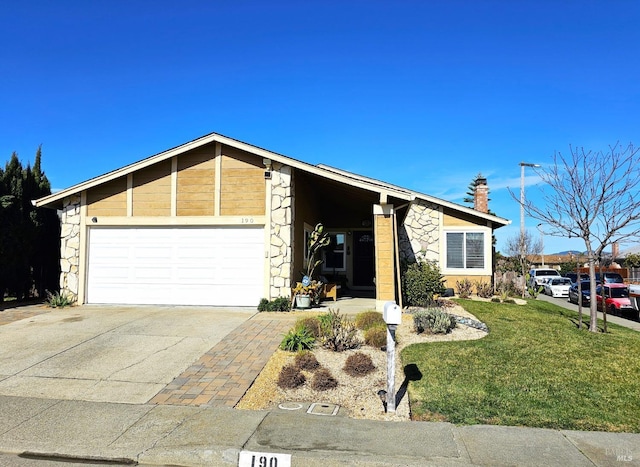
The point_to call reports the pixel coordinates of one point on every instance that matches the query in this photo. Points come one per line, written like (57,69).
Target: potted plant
(307,293)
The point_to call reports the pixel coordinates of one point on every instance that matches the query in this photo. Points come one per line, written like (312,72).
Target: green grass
(535,368)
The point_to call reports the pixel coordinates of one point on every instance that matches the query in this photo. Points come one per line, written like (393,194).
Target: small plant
(290,377)
(510,300)
(58,300)
(421,283)
(312,324)
(305,360)
(464,288)
(323,380)
(433,321)
(340,334)
(297,339)
(358,364)
(535,291)
(278,304)
(368,319)
(376,336)
(496,300)
(484,289)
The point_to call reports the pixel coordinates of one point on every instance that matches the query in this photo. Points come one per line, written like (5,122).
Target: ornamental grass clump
(323,380)
(305,360)
(297,339)
(311,324)
(368,319)
(433,321)
(58,300)
(376,336)
(358,364)
(290,377)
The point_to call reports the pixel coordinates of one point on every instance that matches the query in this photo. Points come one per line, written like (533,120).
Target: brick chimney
(481,196)
(615,250)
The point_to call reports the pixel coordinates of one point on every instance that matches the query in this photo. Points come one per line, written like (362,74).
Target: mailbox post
(392,315)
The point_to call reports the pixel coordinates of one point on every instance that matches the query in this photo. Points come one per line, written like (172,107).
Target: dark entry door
(363,258)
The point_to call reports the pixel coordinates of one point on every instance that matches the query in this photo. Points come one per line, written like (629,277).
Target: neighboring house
(220,222)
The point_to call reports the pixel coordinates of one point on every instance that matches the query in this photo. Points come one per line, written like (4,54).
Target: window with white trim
(335,254)
(465,250)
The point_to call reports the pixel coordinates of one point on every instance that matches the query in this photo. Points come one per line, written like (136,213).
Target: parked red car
(616,298)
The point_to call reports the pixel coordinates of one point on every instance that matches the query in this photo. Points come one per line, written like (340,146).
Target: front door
(363,258)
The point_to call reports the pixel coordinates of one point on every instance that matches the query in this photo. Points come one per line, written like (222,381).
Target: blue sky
(423,94)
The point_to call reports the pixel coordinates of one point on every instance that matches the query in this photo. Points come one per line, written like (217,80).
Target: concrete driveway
(121,354)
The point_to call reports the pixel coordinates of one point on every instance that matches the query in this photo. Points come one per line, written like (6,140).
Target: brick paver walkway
(224,374)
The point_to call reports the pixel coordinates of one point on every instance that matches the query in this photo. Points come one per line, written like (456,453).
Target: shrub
(510,300)
(340,334)
(496,300)
(305,360)
(507,288)
(464,288)
(376,336)
(358,364)
(290,377)
(368,319)
(278,304)
(297,339)
(421,282)
(484,289)
(323,380)
(58,300)
(434,321)
(312,324)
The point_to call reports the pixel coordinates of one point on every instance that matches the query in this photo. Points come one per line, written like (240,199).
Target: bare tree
(522,246)
(593,196)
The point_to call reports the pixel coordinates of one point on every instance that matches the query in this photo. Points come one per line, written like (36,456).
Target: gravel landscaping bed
(357,395)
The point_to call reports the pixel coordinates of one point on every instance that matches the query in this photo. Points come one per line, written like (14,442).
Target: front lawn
(533,369)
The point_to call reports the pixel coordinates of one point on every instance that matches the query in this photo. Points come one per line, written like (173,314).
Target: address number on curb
(263,459)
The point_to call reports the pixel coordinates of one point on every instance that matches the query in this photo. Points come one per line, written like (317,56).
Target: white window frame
(483,271)
(326,269)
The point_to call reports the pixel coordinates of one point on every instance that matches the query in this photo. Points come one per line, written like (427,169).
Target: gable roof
(359,181)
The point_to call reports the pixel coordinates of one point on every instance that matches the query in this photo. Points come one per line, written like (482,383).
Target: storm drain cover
(321,408)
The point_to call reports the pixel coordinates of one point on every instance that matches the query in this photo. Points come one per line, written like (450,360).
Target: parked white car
(536,276)
(557,287)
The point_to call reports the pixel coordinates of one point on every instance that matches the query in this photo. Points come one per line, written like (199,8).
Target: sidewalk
(198,436)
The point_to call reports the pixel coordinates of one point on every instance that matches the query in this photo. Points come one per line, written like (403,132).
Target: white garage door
(222,266)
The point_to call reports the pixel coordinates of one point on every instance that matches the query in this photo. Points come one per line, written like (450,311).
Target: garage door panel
(188,266)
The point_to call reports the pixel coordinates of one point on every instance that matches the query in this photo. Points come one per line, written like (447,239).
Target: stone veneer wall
(70,247)
(281,231)
(419,236)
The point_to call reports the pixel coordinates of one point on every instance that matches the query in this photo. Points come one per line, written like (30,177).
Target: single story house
(220,222)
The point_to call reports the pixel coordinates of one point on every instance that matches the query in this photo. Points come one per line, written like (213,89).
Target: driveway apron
(122,354)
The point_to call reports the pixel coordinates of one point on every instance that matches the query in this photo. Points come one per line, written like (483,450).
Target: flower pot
(303,301)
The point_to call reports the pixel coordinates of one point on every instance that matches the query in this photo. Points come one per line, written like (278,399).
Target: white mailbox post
(392,315)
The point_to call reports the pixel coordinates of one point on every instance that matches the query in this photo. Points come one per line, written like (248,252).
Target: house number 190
(264,459)
(247,220)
